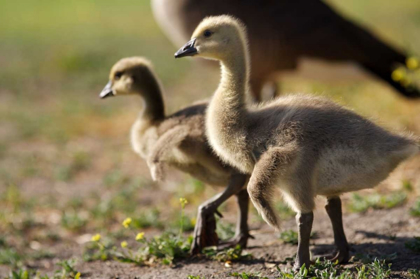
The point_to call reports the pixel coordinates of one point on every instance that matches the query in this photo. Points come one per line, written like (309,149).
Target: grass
(164,249)
(327,270)
(413,273)
(66,270)
(228,255)
(291,236)
(413,245)
(415,210)
(362,204)
(246,275)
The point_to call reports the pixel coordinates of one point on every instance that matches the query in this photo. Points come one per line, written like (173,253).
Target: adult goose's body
(284,32)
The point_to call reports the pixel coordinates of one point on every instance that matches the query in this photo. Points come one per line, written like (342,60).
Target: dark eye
(118,75)
(207,33)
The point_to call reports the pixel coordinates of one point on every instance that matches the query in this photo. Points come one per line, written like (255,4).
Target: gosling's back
(339,151)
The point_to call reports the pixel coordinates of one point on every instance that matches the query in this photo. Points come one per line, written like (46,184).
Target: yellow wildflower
(126,223)
(96,237)
(140,236)
(412,63)
(183,202)
(124,244)
(193,221)
(398,74)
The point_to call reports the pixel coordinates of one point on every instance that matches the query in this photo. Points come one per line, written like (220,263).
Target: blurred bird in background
(283,33)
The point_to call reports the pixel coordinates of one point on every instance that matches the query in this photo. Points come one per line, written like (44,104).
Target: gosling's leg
(242,231)
(333,208)
(304,222)
(205,228)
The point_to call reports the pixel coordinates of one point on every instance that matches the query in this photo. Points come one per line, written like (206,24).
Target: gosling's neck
(143,134)
(234,81)
(226,115)
(153,105)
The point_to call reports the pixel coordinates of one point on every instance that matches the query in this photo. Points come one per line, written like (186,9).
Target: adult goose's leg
(205,228)
(333,208)
(242,231)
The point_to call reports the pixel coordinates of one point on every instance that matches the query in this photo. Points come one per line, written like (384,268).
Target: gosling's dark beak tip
(187,50)
(107,91)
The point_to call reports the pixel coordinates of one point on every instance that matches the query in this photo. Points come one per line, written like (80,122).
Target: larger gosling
(179,140)
(306,146)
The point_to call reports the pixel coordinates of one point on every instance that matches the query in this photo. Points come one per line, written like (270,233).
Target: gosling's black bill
(187,50)
(107,91)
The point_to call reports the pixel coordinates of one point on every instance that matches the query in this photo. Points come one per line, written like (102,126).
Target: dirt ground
(367,233)
(378,233)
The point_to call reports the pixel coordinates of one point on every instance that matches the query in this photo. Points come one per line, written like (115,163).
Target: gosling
(306,146)
(179,140)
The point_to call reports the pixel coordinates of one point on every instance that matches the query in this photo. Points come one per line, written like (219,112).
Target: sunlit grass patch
(291,236)
(234,254)
(415,209)
(247,275)
(328,270)
(359,203)
(165,249)
(66,270)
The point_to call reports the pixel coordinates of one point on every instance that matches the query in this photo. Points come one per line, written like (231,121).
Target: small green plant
(231,254)
(10,256)
(377,269)
(367,258)
(246,275)
(195,277)
(183,202)
(98,250)
(19,274)
(67,271)
(413,245)
(415,210)
(413,273)
(164,249)
(327,270)
(361,204)
(289,236)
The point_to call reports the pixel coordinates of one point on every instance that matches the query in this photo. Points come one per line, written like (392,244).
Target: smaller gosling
(179,140)
(305,145)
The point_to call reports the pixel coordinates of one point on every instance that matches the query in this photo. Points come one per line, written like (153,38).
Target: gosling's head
(216,37)
(132,75)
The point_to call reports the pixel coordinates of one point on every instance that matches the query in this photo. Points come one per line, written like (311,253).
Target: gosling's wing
(163,149)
